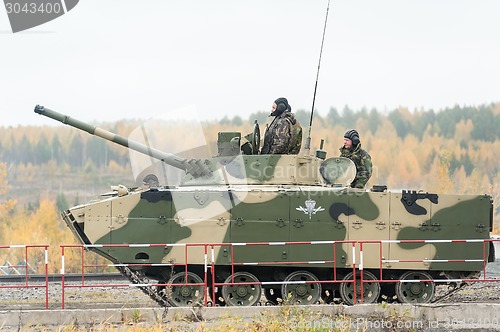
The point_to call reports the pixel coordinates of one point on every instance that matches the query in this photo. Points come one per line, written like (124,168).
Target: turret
(231,166)
(195,167)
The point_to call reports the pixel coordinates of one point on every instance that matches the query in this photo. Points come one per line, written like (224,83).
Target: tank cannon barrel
(195,167)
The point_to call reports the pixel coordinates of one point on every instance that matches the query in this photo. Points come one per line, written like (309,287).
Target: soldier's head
(351,139)
(279,106)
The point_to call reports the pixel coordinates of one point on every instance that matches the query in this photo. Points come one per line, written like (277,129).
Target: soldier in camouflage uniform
(284,134)
(352,150)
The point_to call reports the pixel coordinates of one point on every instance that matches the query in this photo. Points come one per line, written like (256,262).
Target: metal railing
(23,269)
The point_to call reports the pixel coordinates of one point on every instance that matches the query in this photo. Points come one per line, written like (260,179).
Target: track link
(151,291)
(450,293)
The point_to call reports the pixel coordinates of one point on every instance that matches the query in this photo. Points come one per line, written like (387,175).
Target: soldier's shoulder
(364,153)
(289,116)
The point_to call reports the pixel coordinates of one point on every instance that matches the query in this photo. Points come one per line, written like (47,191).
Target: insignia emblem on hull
(310,208)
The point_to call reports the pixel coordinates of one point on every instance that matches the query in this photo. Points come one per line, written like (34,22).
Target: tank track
(137,278)
(449,293)
(453,288)
(159,296)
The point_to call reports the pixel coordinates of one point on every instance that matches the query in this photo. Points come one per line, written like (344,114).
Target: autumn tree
(441,181)
(42,227)
(6,205)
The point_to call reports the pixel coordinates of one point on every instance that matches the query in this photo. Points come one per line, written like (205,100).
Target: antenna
(308,140)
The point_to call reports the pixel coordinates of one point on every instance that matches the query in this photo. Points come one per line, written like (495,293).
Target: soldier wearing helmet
(284,134)
(352,150)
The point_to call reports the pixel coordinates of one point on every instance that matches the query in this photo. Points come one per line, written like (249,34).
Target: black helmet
(281,106)
(353,136)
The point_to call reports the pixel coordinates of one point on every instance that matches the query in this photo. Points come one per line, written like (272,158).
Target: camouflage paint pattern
(289,212)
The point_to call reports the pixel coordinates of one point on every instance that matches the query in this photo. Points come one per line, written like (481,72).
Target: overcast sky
(113,59)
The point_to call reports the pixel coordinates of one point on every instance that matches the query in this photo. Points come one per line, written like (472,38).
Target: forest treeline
(37,146)
(44,169)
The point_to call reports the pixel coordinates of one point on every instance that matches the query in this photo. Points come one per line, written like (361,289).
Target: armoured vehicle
(287,226)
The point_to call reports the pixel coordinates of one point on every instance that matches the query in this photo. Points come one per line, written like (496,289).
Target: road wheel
(415,291)
(184,294)
(371,289)
(244,294)
(300,288)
